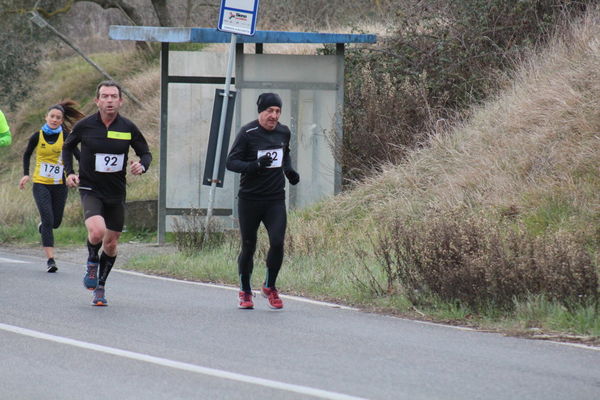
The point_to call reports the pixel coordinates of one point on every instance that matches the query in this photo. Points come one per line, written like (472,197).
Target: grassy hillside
(499,211)
(532,153)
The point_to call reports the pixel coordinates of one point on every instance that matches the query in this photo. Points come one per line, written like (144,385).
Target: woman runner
(49,189)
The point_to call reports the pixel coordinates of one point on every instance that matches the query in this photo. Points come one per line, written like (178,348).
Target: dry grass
(146,88)
(537,140)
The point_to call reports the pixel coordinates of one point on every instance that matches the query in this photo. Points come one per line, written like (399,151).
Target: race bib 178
(52,171)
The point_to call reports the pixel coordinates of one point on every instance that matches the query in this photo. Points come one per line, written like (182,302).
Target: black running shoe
(51,265)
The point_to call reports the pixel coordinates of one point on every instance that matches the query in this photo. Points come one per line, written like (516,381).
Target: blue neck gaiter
(49,131)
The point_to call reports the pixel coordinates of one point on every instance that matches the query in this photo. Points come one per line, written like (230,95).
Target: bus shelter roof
(212,35)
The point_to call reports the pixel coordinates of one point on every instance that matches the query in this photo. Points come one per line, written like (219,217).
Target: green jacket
(5,138)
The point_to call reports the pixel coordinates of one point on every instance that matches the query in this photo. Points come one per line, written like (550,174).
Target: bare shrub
(476,262)
(382,120)
(191,233)
(438,61)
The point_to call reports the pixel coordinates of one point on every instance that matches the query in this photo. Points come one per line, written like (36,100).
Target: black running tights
(274,217)
(50,200)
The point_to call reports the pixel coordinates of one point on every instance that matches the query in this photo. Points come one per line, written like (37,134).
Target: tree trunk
(188,13)
(130,12)
(162,12)
(122,5)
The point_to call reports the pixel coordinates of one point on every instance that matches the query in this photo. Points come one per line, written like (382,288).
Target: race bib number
(275,154)
(52,171)
(109,162)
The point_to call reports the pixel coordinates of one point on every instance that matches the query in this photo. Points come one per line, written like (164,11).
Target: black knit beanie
(267,100)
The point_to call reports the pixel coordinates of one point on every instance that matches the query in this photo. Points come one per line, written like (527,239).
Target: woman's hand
(23,181)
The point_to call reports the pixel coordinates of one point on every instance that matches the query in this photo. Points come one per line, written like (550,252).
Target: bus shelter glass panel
(190,114)
(308,88)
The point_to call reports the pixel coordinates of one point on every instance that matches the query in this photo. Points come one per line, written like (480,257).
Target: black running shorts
(113,213)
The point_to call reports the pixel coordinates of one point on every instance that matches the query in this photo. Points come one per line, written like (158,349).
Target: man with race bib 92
(261,153)
(105,139)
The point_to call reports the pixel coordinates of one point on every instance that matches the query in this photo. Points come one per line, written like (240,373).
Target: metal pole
(164,119)
(215,172)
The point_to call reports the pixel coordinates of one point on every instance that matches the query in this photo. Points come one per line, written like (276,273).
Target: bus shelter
(312,90)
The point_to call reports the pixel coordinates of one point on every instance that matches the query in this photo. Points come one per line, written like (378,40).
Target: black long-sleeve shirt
(255,183)
(105,147)
(32,144)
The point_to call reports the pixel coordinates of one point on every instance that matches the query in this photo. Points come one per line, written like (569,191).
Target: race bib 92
(275,154)
(109,162)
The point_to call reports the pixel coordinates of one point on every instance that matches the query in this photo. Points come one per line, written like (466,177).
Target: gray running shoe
(90,279)
(99,299)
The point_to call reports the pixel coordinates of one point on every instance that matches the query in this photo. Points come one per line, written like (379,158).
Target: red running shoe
(246,301)
(273,296)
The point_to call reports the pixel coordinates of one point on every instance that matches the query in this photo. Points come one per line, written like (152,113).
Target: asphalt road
(168,339)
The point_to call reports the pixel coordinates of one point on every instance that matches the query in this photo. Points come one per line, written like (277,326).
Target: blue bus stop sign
(238,16)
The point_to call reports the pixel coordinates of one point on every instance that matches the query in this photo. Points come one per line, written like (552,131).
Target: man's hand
(72,180)
(293,177)
(264,161)
(136,168)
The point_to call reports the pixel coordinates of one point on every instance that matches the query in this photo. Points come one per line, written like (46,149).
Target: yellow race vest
(48,161)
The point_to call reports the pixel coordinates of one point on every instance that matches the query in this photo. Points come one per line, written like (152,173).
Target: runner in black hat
(261,153)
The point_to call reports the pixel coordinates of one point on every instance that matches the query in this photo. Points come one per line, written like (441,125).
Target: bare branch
(48,14)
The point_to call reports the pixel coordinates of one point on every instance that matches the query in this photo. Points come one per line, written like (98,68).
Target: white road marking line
(323,394)
(468,329)
(458,327)
(12,260)
(578,345)
(215,285)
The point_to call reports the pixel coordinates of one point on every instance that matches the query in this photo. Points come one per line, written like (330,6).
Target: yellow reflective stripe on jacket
(118,135)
